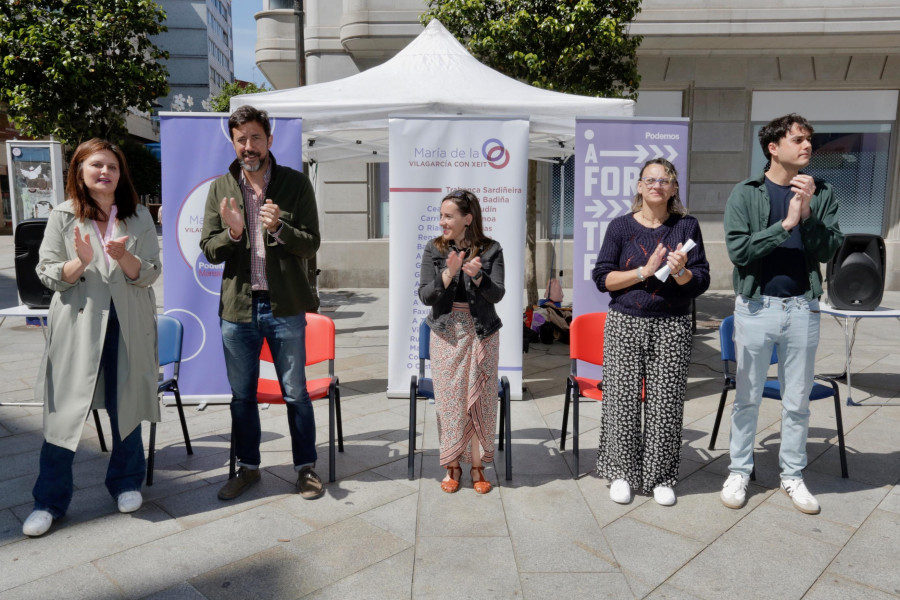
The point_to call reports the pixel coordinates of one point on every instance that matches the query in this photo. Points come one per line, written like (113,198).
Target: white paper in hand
(663,273)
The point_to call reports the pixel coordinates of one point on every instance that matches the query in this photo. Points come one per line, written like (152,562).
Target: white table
(881,312)
(24,311)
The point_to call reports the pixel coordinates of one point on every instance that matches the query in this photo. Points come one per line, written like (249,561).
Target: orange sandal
(481,485)
(452,484)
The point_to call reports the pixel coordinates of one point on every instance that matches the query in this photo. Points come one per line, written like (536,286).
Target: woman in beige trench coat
(100,254)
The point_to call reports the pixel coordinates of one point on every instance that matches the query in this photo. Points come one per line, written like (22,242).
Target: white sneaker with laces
(800,496)
(37,523)
(620,491)
(734,492)
(664,495)
(129,501)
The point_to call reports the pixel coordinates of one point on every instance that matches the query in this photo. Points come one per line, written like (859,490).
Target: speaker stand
(850,337)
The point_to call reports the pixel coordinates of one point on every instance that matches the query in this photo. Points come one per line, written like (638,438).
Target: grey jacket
(68,382)
(482,298)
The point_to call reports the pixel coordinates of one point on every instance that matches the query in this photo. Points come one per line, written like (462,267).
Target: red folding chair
(585,343)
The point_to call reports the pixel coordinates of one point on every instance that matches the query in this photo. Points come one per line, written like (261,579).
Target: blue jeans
(791,325)
(53,489)
(287,340)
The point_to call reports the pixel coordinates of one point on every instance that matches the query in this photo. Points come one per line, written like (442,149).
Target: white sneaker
(37,523)
(800,496)
(620,491)
(129,501)
(734,492)
(664,495)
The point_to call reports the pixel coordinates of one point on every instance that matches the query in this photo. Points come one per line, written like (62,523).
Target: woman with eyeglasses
(647,341)
(100,255)
(461,279)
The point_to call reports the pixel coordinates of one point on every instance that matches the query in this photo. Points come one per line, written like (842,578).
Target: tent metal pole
(562,216)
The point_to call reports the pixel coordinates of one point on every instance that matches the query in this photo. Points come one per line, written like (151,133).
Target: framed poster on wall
(35,178)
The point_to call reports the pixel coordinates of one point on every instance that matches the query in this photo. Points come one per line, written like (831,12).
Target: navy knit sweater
(628,245)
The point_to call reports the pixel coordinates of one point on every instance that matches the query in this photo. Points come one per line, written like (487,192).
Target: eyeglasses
(650,181)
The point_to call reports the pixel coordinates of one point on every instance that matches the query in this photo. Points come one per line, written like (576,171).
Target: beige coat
(68,382)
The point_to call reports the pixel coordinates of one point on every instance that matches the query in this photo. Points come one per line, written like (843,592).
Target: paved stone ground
(543,535)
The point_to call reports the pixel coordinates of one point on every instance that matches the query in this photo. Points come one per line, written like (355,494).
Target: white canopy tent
(434,74)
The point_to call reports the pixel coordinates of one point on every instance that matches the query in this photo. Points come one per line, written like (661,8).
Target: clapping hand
(232,217)
(83,248)
(116,248)
(655,261)
(455,262)
(269,214)
(472,267)
(676,260)
(803,187)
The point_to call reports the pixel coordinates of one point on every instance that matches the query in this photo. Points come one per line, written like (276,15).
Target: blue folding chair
(170,333)
(772,388)
(423,387)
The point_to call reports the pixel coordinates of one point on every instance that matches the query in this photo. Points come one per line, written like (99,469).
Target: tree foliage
(221,102)
(574,46)
(72,68)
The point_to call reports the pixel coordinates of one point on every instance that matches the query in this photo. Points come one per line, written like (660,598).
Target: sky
(244,36)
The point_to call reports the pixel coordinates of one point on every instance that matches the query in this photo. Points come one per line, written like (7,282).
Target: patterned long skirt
(653,352)
(464,370)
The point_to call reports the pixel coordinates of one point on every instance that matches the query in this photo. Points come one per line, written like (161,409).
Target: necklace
(647,221)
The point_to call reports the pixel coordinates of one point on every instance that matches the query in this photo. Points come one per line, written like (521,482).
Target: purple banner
(609,154)
(196,149)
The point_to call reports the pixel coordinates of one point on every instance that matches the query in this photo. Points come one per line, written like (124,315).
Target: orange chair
(319,348)
(585,343)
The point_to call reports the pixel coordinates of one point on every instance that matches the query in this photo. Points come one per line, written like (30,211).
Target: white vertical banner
(430,157)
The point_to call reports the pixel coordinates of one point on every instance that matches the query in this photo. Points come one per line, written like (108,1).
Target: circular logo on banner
(193,331)
(495,153)
(189,228)
(208,275)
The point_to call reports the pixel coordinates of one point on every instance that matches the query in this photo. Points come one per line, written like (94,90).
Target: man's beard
(259,164)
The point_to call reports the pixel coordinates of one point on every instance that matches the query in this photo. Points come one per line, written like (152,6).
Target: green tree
(73,68)
(573,46)
(221,102)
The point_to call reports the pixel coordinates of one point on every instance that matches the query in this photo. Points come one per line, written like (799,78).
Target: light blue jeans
(792,326)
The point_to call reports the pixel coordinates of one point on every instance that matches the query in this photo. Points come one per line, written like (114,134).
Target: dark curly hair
(776,129)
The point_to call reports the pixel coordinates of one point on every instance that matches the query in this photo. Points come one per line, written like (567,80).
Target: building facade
(201,49)
(726,66)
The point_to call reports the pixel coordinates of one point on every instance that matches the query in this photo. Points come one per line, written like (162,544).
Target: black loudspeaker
(856,273)
(29,235)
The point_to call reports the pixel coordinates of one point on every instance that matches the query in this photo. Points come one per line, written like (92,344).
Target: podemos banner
(609,155)
(197,149)
(430,157)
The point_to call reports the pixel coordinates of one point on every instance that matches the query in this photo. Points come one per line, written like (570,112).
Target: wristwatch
(478,276)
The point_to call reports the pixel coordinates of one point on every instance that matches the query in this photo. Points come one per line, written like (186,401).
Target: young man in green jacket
(778,228)
(261,221)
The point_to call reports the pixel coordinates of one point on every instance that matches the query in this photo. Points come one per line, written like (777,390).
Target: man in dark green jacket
(778,228)
(261,221)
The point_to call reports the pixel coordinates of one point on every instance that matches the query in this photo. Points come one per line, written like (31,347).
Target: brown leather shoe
(309,484)
(239,484)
